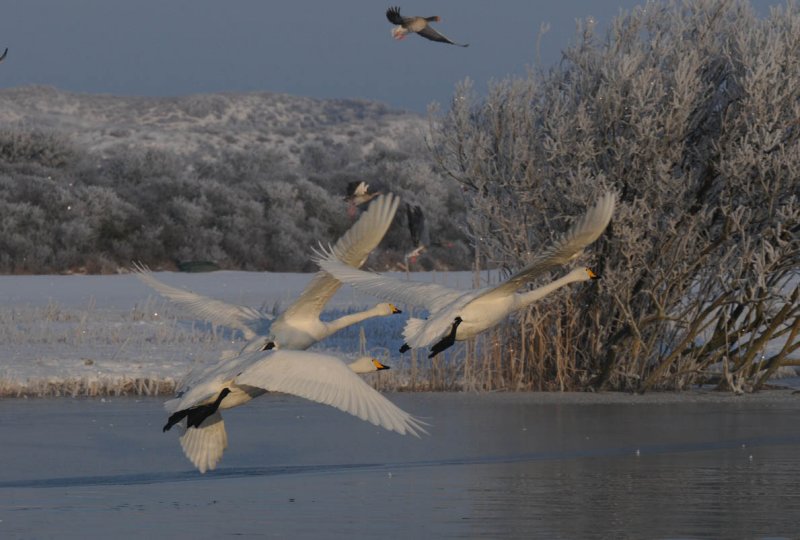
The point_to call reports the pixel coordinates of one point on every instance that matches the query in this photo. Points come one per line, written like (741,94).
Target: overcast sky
(316,48)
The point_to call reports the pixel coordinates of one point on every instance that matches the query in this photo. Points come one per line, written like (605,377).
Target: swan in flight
(318,377)
(418,25)
(456,315)
(299,326)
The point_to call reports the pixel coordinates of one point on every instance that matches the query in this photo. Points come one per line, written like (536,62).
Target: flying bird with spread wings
(418,25)
(457,315)
(299,326)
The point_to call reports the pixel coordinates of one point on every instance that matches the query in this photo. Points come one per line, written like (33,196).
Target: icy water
(493,466)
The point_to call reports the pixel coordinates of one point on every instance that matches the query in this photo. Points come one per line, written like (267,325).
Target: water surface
(494,465)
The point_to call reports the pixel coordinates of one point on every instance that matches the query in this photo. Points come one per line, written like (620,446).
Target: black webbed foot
(195,415)
(447,341)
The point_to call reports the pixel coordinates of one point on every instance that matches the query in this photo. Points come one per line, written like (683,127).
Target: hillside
(206,123)
(248,181)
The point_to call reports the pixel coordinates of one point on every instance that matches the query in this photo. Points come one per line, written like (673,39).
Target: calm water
(499,466)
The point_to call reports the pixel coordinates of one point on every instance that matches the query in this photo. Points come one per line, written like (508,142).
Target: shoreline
(775,394)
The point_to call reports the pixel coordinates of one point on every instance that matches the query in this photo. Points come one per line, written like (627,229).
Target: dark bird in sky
(419,25)
(3,56)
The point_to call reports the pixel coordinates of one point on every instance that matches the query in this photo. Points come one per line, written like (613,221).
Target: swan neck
(348,320)
(525,299)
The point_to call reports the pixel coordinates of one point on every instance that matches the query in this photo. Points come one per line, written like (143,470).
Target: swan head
(387,309)
(367,364)
(580,274)
(583,274)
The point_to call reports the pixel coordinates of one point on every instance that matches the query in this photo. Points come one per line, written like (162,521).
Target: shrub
(688,111)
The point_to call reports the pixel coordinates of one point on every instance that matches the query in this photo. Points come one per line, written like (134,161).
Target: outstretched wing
(3,56)
(433,35)
(585,231)
(393,14)
(353,248)
(428,295)
(246,319)
(326,379)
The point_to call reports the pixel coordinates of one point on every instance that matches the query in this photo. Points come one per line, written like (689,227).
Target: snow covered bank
(112,335)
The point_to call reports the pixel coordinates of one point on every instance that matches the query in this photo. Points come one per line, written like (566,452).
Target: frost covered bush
(35,147)
(249,207)
(689,110)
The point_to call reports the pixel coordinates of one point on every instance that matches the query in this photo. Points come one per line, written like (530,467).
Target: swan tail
(205,444)
(413,332)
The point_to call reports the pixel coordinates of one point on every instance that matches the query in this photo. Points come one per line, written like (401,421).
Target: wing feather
(393,14)
(353,248)
(431,34)
(431,296)
(204,445)
(246,319)
(585,231)
(326,379)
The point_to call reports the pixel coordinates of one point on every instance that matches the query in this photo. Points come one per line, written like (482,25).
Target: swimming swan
(318,377)
(299,326)
(457,315)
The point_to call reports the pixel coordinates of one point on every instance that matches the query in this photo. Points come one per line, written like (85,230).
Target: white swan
(456,315)
(299,326)
(318,377)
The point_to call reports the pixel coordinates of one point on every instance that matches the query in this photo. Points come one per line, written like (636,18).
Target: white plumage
(321,378)
(458,315)
(299,326)
(318,377)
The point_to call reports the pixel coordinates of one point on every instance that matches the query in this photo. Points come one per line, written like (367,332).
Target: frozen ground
(494,465)
(97,335)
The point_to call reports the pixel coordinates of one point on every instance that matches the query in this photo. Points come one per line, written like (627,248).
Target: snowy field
(78,335)
(93,335)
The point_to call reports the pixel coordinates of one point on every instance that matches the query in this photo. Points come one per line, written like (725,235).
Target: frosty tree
(691,111)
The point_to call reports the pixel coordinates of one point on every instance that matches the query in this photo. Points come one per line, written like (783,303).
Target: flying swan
(299,326)
(318,377)
(456,315)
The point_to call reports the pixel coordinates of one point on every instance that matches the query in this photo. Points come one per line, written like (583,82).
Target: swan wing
(326,379)
(582,233)
(353,248)
(205,444)
(431,296)
(243,318)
